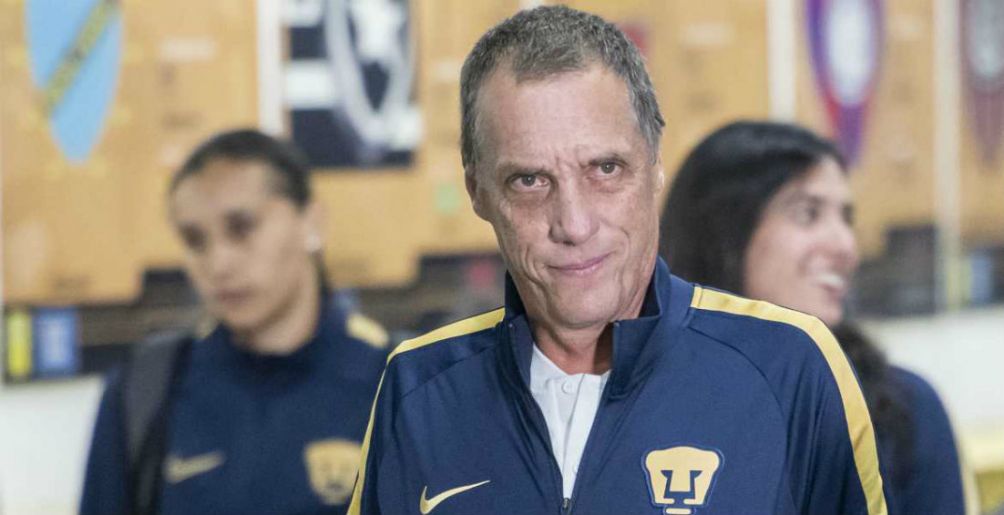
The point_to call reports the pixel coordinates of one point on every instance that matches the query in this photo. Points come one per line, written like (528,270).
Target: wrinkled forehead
(529,112)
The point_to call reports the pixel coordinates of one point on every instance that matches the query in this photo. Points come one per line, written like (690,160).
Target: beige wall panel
(981,190)
(371,227)
(84,233)
(716,73)
(63,227)
(448,30)
(190,71)
(893,180)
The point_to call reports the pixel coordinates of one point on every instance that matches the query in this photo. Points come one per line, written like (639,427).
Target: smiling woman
(765,210)
(264,413)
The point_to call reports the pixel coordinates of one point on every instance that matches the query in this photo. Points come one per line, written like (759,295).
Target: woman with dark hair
(764,209)
(265,412)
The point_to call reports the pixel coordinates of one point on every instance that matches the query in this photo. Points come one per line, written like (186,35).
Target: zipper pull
(566,506)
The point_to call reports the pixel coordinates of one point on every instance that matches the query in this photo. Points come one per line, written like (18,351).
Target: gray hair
(550,40)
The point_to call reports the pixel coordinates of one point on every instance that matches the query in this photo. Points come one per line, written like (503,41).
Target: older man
(605,385)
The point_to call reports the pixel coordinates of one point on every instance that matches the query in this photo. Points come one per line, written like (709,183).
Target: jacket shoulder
(793,351)
(797,355)
(762,331)
(367,331)
(419,359)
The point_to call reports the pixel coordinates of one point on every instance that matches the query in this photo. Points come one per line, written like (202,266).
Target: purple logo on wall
(983,71)
(845,38)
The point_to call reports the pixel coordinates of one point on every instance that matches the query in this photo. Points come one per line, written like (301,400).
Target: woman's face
(803,253)
(247,248)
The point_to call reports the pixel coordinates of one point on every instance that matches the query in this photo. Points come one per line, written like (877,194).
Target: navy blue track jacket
(715,405)
(251,434)
(930,482)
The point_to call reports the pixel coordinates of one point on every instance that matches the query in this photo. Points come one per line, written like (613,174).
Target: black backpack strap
(146,386)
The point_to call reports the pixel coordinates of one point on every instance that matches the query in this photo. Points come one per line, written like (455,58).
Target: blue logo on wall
(56,332)
(74,50)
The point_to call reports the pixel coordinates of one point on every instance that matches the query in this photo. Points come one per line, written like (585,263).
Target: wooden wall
(893,179)
(85,233)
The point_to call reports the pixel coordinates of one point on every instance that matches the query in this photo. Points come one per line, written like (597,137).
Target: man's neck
(581,351)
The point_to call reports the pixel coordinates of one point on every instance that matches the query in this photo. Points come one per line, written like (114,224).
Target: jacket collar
(317,351)
(638,343)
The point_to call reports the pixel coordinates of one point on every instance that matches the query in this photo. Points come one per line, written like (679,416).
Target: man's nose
(574,219)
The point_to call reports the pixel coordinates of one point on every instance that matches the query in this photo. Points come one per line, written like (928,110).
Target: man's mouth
(581,268)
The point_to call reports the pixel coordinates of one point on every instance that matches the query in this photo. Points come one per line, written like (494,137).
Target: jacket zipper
(568,503)
(538,418)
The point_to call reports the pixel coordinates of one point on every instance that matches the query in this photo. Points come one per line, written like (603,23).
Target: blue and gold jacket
(715,405)
(252,434)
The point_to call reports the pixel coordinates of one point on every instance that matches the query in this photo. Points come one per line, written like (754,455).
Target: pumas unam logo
(680,479)
(332,465)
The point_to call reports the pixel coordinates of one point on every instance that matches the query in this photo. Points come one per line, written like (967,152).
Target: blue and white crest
(74,51)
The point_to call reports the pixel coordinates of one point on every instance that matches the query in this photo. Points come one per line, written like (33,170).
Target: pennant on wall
(74,50)
(845,37)
(983,71)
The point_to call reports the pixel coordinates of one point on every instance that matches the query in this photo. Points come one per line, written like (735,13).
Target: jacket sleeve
(377,489)
(833,446)
(935,481)
(105,490)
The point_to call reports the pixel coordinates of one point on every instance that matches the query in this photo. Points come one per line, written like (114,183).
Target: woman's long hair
(716,203)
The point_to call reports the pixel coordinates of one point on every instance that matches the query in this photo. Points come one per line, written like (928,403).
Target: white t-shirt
(569,403)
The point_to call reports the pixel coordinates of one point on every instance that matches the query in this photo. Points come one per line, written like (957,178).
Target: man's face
(567,182)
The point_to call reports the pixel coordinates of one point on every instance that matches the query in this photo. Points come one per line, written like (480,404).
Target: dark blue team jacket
(251,434)
(715,405)
(929,481)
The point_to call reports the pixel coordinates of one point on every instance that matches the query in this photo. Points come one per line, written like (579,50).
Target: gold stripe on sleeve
(859,424)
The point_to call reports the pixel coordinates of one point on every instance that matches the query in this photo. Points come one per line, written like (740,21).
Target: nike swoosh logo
(177,469)
(427,505)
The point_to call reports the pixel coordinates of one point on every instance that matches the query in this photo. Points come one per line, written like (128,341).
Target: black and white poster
(348,82)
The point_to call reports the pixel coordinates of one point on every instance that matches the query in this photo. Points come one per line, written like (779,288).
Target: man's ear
(475,192)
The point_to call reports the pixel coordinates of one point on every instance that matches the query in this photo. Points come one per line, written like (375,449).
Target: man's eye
(528,181)
(608,168)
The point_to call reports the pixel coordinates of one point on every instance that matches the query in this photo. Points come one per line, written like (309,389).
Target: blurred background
(101,100)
